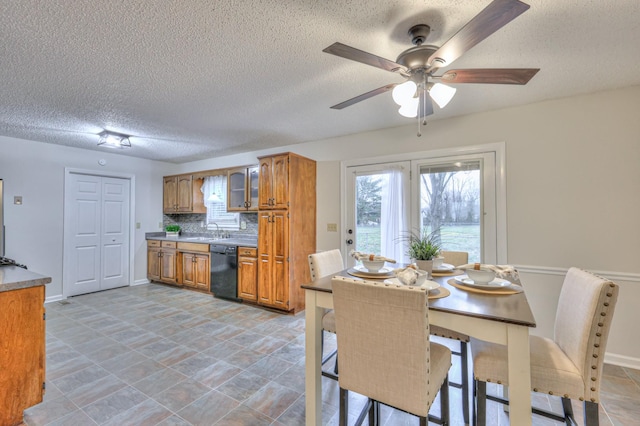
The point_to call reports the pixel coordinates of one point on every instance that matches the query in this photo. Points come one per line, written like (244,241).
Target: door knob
(349,241)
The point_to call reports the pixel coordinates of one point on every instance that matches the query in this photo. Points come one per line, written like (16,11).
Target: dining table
(500,318)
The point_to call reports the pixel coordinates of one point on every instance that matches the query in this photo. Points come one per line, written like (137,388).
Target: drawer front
(153,243)
(169,244)
(197,247)
(248,251)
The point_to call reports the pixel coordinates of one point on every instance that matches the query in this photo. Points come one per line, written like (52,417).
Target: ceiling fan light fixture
(403,93)
(441,93)
(410,108)
(114,140)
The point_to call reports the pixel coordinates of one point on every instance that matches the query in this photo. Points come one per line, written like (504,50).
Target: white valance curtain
(214,191)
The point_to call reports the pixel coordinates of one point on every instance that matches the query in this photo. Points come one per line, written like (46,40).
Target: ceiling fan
(419,64)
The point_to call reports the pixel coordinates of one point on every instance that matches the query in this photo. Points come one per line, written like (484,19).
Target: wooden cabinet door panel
(153,263)
(280,177)
(265,192)
(265,232)
(247,278)
(187,269)
(185,195)
(169,194)
(280,249)
(202,271)
(168,266)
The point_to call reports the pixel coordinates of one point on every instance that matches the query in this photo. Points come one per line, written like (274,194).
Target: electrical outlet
(243,225)
(332,227)
(137,225)
(160,225)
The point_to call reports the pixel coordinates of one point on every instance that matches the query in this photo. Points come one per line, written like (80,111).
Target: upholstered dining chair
(320,265)
(384,350)
(457,258)
(570,364)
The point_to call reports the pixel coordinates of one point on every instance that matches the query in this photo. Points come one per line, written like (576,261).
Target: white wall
(573,179)
(34,230)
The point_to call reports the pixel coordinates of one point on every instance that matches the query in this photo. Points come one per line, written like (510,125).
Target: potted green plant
(172,230)
(423,248)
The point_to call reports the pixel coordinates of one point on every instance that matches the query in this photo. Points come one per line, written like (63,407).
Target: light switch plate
(332,227)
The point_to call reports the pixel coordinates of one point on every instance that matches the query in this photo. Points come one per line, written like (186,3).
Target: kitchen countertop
(14,278)
(243,241)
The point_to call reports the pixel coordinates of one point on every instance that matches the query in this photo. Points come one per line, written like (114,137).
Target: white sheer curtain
(392,218)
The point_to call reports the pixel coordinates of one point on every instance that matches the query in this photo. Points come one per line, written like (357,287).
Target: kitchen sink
(199,239)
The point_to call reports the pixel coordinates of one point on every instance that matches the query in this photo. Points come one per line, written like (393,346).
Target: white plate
(496,284)
(429,285)
(445,267)
(382,271)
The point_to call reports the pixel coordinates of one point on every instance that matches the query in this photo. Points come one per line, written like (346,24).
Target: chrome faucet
(217,233)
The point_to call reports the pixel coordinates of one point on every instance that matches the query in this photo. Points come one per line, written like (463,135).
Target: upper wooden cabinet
(274,182)
(242,189)
(181,194)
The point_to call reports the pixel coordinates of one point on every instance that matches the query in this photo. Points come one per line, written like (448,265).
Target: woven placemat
(446,273)
(438,293)
(512,289)
(361,274)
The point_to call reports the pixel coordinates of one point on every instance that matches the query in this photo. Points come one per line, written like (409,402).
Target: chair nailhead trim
(593,399)
(593,379)
(606,303)
(600,324)
(595,355)
(550,393)
(581,399)
(598,334)
(499,382)
(609,294)
(593,367)
(535,389)
(604,314)
(566,396)
(597,345)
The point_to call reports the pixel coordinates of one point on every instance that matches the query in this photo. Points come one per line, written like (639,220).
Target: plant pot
(425,265)
(173,234)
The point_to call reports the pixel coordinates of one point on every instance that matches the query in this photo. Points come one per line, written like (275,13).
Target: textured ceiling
(193,79)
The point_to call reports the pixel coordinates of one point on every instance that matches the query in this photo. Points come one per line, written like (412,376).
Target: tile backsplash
(191,223)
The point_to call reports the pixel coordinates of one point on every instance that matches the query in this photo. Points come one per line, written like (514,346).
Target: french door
(456,196)
(377,209)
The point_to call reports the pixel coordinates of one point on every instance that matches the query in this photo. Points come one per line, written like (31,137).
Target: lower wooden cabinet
(195,270)
(22,352)
(248,274)
(179,263)
(161,261)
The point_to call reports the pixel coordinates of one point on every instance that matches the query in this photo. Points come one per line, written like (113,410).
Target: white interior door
(96,233)
(115,233)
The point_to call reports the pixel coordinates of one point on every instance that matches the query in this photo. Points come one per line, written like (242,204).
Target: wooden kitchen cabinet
(181,194)
(242,189)
(195,269)
(22,352)
(286,236)
(273,193)
(248,273)
(161,261)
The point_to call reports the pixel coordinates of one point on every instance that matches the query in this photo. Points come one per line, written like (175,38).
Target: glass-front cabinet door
(242,189)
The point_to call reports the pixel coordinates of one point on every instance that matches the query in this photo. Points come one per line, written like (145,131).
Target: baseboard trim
(140,282)
(55,298)
(622,361)
(549,270)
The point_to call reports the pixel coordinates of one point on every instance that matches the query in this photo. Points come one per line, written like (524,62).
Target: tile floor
(157,355)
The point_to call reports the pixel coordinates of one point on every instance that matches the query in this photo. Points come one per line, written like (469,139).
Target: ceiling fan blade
(493,17)
(358,55)
(490,75)
(364,96)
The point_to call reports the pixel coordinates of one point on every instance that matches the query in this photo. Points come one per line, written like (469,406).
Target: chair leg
(374,413)
(464,371)
(444,401)
(481,402)
(568,411)
(335,366)
(591,413)
(344,407)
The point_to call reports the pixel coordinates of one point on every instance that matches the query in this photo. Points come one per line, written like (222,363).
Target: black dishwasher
(224,272)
